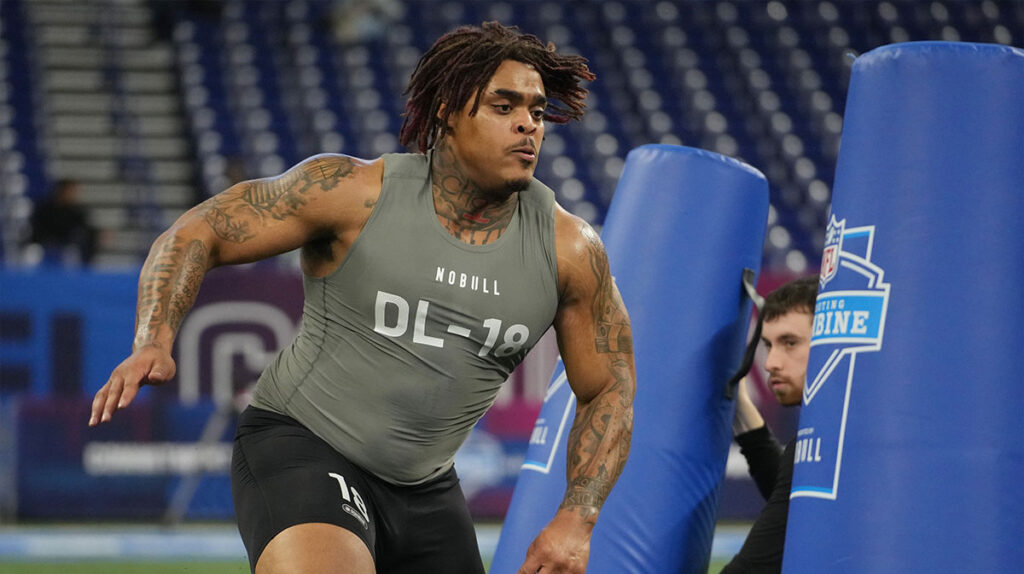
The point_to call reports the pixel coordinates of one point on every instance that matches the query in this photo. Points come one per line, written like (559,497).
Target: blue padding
(683,225)
(910,458)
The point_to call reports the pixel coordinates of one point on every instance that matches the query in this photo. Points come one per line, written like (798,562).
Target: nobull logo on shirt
(466,281)
(849,319)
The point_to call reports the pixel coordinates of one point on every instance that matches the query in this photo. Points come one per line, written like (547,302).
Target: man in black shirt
(786,333)
(61,225)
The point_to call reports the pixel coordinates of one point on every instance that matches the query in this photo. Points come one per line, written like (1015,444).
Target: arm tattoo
(603,428)
(192,272)
(168,285)
(227,226)
(611,324)
(599,444)
(236,214)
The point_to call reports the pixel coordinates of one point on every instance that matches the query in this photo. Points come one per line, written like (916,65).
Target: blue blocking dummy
(909,455)
(682,227)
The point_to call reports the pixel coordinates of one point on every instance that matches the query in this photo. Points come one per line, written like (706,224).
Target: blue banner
(167,456)
(849,318)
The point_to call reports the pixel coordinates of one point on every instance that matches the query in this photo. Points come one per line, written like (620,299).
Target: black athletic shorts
(282,475)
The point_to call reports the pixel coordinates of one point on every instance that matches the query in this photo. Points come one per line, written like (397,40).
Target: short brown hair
(462,62)
(798,295)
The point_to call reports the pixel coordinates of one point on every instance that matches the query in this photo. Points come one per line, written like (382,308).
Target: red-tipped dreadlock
(462,62)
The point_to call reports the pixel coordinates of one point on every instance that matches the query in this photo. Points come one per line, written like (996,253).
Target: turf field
(113,549)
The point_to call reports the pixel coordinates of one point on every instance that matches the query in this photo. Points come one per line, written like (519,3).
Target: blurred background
(117,116)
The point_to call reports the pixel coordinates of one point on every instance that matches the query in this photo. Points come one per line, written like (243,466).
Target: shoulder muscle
(582,260)
(319,197)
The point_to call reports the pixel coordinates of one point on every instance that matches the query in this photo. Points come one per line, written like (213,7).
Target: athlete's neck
(469,212)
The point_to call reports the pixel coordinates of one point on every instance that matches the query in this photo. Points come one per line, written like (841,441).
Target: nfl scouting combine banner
(849,319)
(908,455)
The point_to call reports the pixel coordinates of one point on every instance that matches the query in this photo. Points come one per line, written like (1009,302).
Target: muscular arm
(596,343)
(249,221)
(319,198)
(168,284)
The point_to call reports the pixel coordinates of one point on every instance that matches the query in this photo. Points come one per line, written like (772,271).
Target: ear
(449,124)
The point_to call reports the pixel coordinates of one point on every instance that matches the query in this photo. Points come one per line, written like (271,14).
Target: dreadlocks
(462,62)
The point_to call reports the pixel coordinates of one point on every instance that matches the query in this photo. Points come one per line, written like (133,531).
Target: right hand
(149,365)
(562,547)
(747,417)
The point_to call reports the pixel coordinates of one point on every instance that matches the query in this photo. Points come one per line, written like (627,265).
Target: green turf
(716,566)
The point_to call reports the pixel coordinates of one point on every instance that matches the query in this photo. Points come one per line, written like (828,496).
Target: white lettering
(539,435)
(341,484)
(419,332)
(808,450)
(819,324)
(466,280)
(515,338)
(493,327)
(380,313)
(353,497)
(842,322)
(360,505)
(157,458)
(860,319)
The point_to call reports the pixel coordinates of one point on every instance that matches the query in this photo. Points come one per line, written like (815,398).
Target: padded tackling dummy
(683,225)
(909,455)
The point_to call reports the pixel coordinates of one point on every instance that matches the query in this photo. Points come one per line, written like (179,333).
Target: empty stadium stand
(155,105)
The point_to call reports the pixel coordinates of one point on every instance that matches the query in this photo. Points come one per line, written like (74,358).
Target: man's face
(788,341)
(498,147)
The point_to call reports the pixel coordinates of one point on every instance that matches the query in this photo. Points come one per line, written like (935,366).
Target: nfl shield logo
(833,246)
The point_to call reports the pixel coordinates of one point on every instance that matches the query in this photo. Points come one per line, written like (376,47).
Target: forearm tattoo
(600,438)
(237,214)
(168,285)
(614,333)
(171,276)
(599,444)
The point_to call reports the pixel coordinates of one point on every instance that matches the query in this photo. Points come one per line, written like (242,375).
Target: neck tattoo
(466,211)
(476,217)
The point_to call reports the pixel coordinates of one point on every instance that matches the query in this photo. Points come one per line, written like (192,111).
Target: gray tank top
(404,347)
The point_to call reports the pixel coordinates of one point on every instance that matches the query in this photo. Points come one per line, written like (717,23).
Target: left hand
(563,547)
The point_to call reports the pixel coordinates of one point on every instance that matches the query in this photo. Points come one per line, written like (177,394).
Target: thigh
(315,547)
(436,534)
(282,475)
